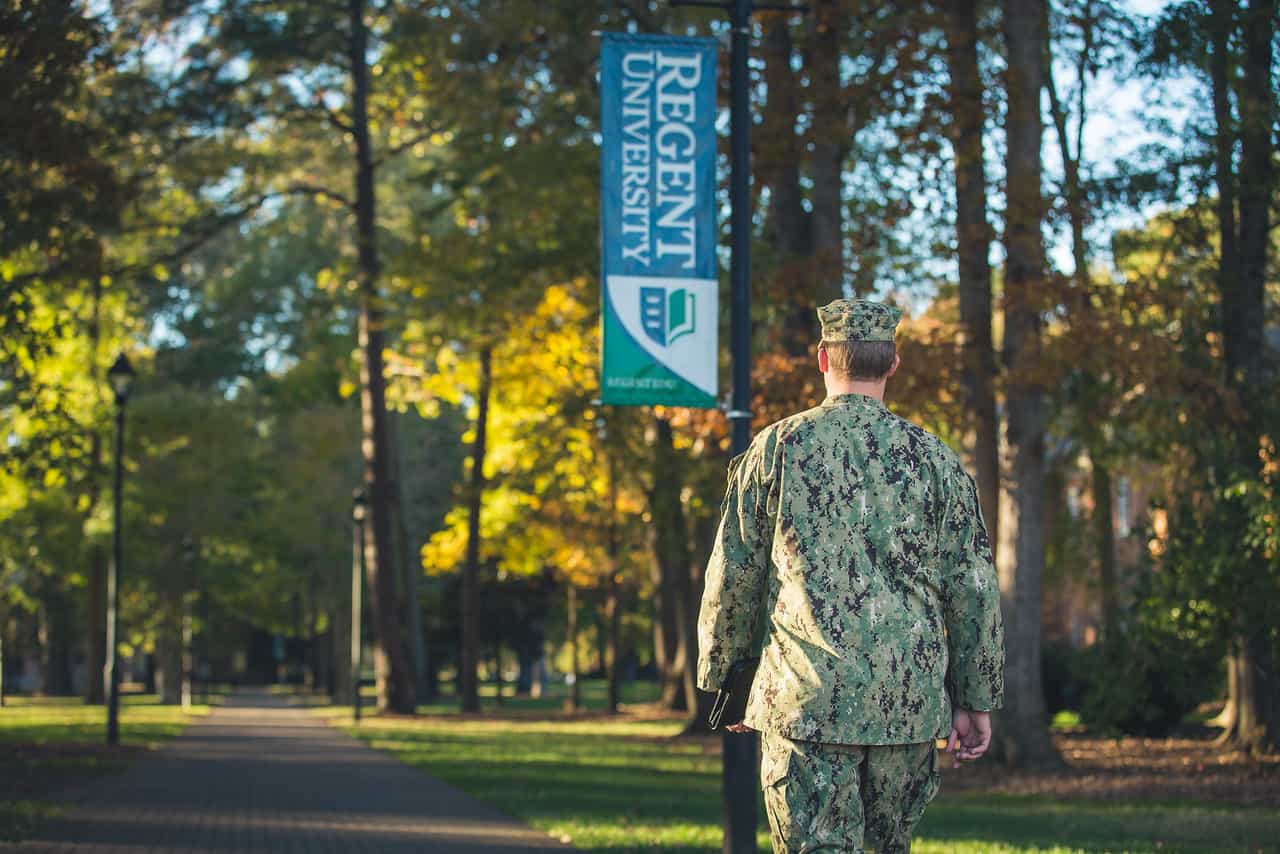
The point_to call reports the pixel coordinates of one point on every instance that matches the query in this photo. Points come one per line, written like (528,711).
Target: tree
(973,243)
(1020,558)
(1090,390)
(1230,47)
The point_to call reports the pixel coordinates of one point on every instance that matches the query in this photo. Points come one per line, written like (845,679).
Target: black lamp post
(357,588)
(121,376)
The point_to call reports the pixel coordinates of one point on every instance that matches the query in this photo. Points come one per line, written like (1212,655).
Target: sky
(1120,113)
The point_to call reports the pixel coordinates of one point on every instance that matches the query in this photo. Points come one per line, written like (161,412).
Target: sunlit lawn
(631,785)
(48,744)
(593,698)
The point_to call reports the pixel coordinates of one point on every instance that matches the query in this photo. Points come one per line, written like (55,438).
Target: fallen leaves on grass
(1134,769)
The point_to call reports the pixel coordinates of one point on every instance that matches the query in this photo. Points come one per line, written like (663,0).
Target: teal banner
(658,255)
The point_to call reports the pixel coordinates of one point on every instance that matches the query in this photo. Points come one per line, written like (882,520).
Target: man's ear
(824,363)
(893,369)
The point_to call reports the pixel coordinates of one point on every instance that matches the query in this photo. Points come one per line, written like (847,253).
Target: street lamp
(121,377)
(358,506)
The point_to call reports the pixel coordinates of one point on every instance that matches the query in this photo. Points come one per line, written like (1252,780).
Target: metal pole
(113,588)
(740,762)
(740,223)
(357,588)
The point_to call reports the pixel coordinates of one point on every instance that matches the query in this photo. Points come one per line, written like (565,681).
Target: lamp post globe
(121,375)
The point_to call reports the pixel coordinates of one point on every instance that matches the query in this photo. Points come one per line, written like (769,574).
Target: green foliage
(1156,668)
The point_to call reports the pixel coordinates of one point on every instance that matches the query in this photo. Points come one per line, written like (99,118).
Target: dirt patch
(1133,769)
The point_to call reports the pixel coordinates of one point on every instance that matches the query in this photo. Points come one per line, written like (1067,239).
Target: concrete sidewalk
(259,776)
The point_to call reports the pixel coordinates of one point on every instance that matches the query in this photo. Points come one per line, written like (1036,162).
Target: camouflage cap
(858,320)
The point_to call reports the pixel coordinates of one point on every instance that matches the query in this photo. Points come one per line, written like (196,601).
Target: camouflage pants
(828,797)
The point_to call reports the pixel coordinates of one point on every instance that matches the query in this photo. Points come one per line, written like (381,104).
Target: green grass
(974,822)
(631,785)
(61,720)
(48,744)
(593,696)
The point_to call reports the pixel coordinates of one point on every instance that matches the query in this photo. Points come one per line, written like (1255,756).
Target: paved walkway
(259,776)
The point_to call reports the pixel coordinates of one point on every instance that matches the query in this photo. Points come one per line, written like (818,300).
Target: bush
(1146,679)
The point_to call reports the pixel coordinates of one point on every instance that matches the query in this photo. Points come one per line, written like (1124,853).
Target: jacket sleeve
(971,602)
(737,573)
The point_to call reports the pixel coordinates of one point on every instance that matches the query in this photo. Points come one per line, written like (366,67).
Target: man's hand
(970,735)
(739,728)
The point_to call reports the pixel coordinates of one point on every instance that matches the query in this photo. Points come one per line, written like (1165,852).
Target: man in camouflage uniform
(853,559)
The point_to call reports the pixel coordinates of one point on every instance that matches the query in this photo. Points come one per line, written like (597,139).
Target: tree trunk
(394,670)
(310,660)
(574,703)
(777,157)
(1244,255)
(410,567)
(188,654)
(1023,726)
(1227,717)
(55,642)
(613,608)
(1257,716)
(669,540)
(666,647)
(613,613)
(96,628)
(96,594)
(830,147)
(1104,532)
(168,655)
(669,550)
(340,620)
(168,665)
(496,675)
(469,653)
(1220,27)
(704,527)
(1082,313)
(779,149)
(973,243)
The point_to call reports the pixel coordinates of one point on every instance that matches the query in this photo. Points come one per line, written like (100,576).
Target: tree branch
(335,119)
(200,236)
(301,189)
(397,150)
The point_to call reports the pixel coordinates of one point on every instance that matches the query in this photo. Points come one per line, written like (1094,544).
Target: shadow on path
(257,775)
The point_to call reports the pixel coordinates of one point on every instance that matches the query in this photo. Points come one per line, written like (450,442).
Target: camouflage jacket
(852,549)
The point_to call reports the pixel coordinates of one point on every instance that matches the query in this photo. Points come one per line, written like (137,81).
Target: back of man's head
(857,336)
